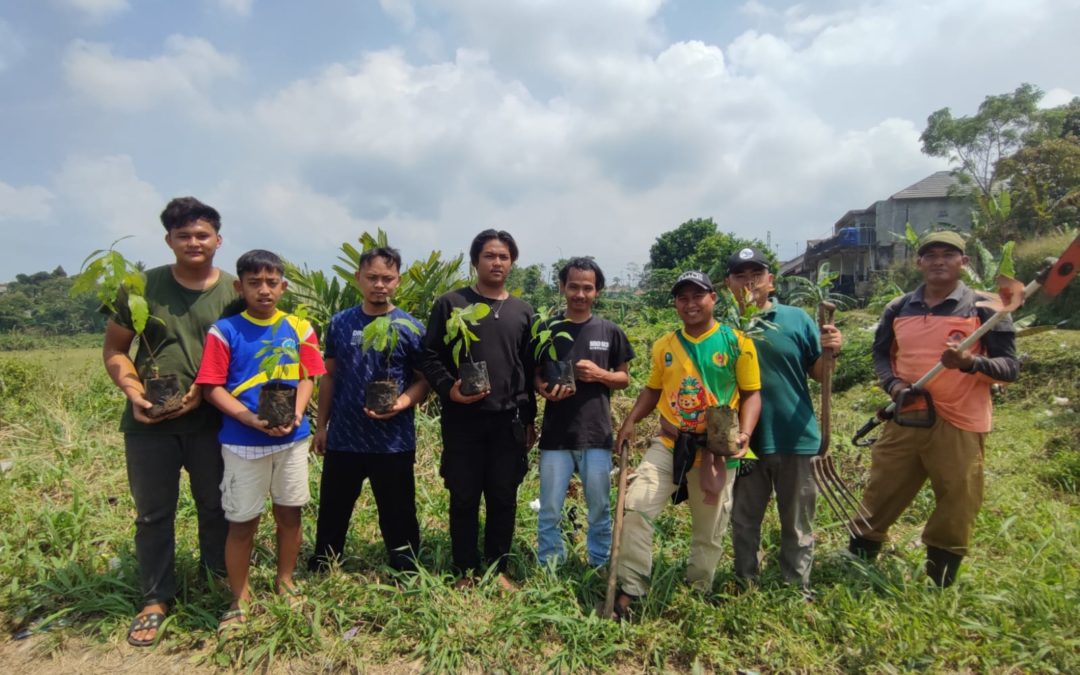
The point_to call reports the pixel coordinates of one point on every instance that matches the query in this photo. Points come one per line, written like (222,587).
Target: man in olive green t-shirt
(184,299)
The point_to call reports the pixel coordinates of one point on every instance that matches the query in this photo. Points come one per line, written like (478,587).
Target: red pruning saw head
(1063,270)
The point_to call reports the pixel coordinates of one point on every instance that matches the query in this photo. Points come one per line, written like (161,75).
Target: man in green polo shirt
(184,299)
(786,436)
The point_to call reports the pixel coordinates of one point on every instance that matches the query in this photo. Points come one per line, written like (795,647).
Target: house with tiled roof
(866,241)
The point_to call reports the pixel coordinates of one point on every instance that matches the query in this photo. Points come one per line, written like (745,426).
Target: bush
(27,340)
(856,363)
(18,382)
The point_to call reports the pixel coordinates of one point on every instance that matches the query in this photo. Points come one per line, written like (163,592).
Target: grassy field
(68,585)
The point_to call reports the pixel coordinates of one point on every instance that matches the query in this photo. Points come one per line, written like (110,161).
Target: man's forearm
(417,391)
(117,362)
(221,399)
(749,411)
(1000,362)
(122,372)
(617,379)
(303,394)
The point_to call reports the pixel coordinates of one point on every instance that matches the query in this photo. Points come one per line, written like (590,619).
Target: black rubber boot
(864,548)
(942,566)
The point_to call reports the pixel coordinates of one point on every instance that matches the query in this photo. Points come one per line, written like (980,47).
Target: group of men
(487,436)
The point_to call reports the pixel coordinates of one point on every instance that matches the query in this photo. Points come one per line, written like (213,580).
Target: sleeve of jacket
(435,359)
(883,345)
(1000,363)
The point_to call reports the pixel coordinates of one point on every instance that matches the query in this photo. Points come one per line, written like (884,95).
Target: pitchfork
(836,493)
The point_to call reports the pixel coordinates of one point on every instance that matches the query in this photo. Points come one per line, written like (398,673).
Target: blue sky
(582,126)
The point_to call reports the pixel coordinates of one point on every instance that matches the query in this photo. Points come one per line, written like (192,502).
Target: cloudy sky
(581,126)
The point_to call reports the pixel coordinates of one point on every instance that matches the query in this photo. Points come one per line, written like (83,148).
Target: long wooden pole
(616,533)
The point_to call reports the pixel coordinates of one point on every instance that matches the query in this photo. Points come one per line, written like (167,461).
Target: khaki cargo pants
(901,461)
(646,497)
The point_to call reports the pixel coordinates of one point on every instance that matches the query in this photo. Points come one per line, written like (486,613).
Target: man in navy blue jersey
(359,443)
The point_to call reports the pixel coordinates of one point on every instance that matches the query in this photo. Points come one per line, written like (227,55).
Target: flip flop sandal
(231,621)
(149,621)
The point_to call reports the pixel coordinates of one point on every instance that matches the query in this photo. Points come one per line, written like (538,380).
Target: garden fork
(835,492)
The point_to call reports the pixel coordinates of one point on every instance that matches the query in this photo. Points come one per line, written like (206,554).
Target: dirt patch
(40,654)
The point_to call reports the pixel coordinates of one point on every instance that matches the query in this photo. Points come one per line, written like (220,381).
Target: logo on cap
(746,253)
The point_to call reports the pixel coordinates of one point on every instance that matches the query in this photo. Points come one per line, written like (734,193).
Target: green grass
(67,569)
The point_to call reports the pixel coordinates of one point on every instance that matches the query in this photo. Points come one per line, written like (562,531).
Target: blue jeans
(556,468)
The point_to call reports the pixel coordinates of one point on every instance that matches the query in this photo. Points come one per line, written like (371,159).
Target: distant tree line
(41,303)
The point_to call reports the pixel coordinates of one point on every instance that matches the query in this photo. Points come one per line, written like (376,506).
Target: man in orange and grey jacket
(916,331)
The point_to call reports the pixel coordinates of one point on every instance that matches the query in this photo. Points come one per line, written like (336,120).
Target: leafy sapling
(739,311)
(382,336)
(118,284)
(473,374)
(544,332)
(277,398)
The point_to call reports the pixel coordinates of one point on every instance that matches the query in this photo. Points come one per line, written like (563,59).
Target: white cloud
(188,66)
(91,202)
(452,122)
(30,204)
(633,146)
(756,9)
(97,10)
(1055,97)
(401,11)
(550,37)
(579,126)
(238,7)
(108,194)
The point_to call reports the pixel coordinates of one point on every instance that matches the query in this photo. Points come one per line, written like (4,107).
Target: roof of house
(938,184)
(853,214)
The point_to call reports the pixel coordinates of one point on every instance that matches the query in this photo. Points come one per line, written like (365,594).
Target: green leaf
(1006,266)
(480,310)
(140,312)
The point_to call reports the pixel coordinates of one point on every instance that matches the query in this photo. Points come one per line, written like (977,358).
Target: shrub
(855,364)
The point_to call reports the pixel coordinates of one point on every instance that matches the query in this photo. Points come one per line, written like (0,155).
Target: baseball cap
(744,256)
(946,237)
(699,279)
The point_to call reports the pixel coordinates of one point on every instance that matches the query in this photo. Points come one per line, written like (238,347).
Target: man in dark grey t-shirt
(577,434)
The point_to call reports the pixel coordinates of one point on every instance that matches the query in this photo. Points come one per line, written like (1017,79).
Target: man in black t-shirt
(486,436)
(577,433)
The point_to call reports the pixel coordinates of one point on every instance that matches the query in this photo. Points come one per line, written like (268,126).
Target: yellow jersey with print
(684,395)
